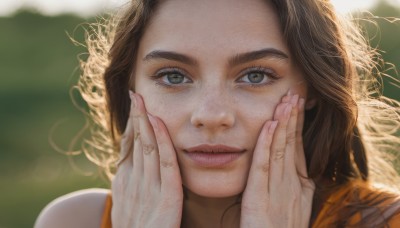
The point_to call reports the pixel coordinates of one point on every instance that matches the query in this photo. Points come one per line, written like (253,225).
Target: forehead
(205,27)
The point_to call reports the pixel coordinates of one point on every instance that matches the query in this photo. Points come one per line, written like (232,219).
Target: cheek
(173,114)
(161,108)
(300,88)
(253,113)
(256,108)
(298,83)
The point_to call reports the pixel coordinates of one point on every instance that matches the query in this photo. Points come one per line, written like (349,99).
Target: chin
(213,186)
(210,192)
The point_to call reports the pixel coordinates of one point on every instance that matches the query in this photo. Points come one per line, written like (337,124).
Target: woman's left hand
(278,193)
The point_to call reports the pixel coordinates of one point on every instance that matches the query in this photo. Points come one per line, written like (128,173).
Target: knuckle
(148,148)
(279,153)
(264,167)
(166,163)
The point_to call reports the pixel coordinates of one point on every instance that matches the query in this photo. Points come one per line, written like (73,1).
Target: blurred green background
(38,66)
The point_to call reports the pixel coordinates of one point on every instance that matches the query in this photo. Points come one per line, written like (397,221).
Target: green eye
(171,77)
(175,78)
(255,77)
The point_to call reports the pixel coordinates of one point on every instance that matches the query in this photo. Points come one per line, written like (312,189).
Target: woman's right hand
(147,188)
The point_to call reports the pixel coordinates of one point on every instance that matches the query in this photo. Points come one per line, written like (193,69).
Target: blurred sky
(91,7)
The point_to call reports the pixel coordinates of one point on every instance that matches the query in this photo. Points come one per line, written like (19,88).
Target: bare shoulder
(83,208)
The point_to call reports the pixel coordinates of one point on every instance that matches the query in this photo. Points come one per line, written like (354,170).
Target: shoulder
(360,204)
(386,201)
(83,208)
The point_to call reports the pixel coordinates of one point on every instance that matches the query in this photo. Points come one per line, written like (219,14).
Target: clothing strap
(106,219)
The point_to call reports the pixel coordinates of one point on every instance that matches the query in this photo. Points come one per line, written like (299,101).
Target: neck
(210,212)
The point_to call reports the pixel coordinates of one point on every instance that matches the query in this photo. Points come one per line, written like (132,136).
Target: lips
(216,156)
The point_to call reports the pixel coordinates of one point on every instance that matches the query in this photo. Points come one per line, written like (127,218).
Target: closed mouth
(206,148)
(213,156)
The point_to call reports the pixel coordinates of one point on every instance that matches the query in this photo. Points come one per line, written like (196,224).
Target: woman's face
(214,71)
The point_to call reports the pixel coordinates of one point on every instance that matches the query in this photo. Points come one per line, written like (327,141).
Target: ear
(311,100)
(310,103)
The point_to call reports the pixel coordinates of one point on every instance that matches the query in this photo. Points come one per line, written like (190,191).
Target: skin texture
(214,109)
(214,103)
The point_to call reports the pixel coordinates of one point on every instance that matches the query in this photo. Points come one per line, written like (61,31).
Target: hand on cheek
(278,193)
(147,188)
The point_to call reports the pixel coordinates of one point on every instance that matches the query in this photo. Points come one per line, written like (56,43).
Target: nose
(214,112)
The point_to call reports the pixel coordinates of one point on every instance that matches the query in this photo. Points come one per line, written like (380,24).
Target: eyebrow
(170,55)
(235,60)
(256,55)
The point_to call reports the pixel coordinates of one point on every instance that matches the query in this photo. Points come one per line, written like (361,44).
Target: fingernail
(272,127)
(153,121)
(289,92)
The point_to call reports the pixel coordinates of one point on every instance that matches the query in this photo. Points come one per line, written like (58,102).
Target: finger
(126,143)
(286,98)
(290,164)
(278,147)
(260,167)
(171,181)
(137,144)
(300,156)
(151,170)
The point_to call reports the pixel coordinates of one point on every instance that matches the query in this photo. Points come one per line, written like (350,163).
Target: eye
(174,78)
(171,77)
(257,76)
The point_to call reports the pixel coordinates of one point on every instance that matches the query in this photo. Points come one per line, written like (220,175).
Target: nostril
(213,121)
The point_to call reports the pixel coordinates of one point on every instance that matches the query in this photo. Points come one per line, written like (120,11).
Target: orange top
(356,198)
(106,219)
(338,202)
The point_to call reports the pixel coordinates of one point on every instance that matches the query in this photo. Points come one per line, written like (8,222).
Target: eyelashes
(171,77)
(255,76)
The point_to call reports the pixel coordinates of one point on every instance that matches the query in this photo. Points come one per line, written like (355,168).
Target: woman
(234,114)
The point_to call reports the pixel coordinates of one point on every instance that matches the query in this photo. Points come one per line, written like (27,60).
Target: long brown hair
(351,122)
